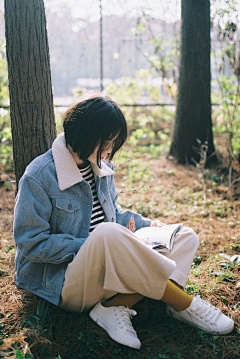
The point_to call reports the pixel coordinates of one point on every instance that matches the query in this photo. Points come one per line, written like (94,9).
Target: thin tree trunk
(31,99)
(193,113)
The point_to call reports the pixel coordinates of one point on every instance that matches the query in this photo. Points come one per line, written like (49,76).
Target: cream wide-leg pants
(112,260)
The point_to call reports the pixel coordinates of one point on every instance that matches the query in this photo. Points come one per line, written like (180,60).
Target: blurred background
(131,49)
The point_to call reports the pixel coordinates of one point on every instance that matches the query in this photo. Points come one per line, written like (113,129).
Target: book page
(159,237)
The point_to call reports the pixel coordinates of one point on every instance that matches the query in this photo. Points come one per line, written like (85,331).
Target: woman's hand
(157,223)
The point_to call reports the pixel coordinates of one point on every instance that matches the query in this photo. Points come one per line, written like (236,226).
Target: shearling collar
(68,173)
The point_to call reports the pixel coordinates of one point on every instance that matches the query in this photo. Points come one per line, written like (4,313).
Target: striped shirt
(97,216)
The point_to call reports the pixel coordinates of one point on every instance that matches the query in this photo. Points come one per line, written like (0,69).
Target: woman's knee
(192,236)
(106,229)
(105,232)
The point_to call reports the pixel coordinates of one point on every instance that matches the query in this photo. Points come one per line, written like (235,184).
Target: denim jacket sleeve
(32,229)
(123,217)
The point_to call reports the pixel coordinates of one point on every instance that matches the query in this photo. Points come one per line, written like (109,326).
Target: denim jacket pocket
(67,204)
(65,212)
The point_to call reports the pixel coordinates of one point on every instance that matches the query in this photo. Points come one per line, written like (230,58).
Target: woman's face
(93,157)
(108,149)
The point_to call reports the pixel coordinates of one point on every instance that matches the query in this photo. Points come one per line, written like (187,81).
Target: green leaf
(42,309)
(19,354)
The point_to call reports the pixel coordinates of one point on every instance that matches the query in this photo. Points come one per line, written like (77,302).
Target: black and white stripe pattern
(97,211)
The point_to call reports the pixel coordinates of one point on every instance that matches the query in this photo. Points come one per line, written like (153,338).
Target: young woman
(73,247)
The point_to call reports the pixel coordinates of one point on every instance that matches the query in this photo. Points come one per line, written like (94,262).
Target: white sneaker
(116,321)
(203,316)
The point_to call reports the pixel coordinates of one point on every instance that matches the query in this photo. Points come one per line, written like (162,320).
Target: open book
(158,238)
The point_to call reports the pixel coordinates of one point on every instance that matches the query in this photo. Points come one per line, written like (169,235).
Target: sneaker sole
(104,325)
(223,332)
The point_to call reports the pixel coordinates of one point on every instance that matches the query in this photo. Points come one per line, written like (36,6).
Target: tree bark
(30,88)
(193,113)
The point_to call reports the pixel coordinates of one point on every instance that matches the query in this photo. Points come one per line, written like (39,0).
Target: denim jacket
(52,217)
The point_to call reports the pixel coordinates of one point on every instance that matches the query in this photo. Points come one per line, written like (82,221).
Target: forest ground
(157,188)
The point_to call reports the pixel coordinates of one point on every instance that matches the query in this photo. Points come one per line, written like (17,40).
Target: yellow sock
(176,297)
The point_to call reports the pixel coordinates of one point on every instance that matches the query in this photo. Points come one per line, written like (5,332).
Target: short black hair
(94,120)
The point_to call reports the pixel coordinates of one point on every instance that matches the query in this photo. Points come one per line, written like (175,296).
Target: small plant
(36,320)
(20,355)
(229,262)
(197,260)
(202,151)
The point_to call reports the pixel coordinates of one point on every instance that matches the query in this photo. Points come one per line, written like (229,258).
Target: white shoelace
(124,316)
(205,310)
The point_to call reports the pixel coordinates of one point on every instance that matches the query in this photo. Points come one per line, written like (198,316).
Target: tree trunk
(193,113)
(30,89)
